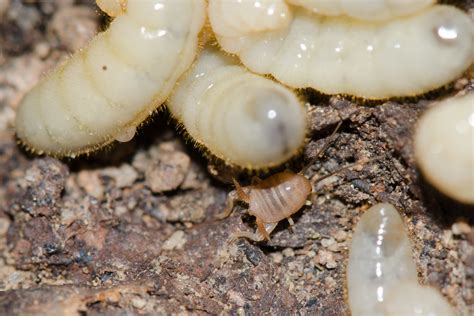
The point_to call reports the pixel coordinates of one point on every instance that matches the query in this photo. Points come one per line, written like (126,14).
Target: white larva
(374,10)
(373,268)
(444,147)
(412,299)
(381,272)
(102,93)
(375,60)
(242,118)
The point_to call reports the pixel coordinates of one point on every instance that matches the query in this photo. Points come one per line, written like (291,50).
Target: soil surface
(130,230)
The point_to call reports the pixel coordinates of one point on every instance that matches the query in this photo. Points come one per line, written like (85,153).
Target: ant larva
(105,91)
(444,146)
(402,56)
(242,118)
(382,277)
(277,197)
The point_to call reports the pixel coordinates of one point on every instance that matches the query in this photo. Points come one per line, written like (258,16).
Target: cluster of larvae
(103,92)
(373,49)
(381,274)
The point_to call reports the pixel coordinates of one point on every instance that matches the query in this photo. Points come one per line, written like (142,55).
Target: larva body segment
(374,10)
(444,147)
(105,91)
(250,16)
(242,118)
(374,60)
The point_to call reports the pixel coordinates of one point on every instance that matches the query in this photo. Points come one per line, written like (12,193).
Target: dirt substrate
(130,230)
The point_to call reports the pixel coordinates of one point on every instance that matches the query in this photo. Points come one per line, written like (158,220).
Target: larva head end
(444,147)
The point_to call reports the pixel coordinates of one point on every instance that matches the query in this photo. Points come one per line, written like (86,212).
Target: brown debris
(167,169)
(124,176)
(74,26)
(19,28)
(41,188)
(70,300)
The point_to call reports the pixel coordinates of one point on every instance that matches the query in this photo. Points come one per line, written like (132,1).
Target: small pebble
(341,235)
(460,228)
(169,171)
(4,223)
(288,252)
(42,49)
(325,258)
(236,298)
(138,302)
(327,242)
(175,241)
(277,257)
(74,26)
(90,182)
(124,176)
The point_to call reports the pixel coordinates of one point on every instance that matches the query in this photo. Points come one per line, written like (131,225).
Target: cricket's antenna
(352,165)
(330,140)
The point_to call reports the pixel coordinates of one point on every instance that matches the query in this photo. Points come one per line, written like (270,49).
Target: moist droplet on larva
(126,134)
(447,33)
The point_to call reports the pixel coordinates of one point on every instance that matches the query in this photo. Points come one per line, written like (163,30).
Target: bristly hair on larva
(244,119)
(403,56)
(105,91)
(235,18)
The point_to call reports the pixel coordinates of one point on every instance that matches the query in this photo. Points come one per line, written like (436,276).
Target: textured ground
(130,230)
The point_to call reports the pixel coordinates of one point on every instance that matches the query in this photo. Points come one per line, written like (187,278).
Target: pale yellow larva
(381,273)
(102,93)
(375,10)
(242,118)
(375,60)
(444,147)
